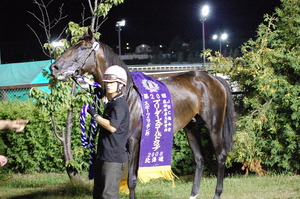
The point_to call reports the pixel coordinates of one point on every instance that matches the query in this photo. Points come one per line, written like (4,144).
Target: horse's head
(79,59)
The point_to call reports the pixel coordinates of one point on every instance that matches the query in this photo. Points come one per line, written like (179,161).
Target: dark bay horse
(197,97)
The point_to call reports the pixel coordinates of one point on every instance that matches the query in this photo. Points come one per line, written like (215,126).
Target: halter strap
(94,48)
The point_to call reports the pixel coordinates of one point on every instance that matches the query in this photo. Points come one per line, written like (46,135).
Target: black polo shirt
(112,146)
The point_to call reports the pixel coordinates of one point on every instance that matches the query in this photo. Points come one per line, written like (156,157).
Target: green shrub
(36,149)
(268,73)
(182,156)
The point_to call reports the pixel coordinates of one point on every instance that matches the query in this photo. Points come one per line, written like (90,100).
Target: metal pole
(220,48)
(203,41)
(119,35)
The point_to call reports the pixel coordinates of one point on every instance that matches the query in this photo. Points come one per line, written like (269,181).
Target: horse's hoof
(193,197)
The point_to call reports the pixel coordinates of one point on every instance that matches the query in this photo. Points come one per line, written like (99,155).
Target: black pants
(107,179)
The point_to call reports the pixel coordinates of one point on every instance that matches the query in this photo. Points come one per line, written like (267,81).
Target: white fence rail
(163,71)
(175,67)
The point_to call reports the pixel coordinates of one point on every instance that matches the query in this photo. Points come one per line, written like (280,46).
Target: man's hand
(3,160)
(99,90)
(17,125)
(92,111)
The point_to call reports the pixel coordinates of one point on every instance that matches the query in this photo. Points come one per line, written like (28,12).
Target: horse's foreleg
(133,148)
(194,144)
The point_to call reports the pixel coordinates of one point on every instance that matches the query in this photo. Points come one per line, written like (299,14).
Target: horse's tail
(230,117)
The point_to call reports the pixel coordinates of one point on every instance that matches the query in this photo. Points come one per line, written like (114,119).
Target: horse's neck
(97,74)
(107,58)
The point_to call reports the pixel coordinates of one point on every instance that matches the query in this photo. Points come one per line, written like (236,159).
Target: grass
(57,186)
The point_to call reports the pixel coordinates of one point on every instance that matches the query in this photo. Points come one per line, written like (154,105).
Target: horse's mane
(113,59)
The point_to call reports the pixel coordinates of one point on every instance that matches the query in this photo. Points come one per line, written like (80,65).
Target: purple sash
(157,132)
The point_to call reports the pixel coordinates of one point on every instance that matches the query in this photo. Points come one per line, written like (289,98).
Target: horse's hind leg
(221,154)
(193,135)
(133,148)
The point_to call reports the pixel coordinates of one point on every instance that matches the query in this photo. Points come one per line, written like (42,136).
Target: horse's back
(195,93)
(198,82)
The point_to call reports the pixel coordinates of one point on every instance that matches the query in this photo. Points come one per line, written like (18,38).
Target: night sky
(151,22)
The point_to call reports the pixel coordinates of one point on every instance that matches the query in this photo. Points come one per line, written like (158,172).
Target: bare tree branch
(34,15)
(98,26)
(39,40)
(49,3)
(61,33)
(45,22)
(90,4)
(61,17)
(82,14)
(42,24)
(94,18)
(46,19)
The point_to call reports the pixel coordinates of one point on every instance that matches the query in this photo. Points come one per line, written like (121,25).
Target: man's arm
(17,125)
(105,123)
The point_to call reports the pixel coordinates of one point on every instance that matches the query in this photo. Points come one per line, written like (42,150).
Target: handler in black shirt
(111,155)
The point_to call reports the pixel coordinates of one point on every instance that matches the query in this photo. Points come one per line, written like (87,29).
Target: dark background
(151,22)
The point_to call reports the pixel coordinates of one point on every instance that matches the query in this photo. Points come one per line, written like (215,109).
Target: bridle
(94,48)
(76,74)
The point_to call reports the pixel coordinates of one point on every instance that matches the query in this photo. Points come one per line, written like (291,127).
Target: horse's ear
(87,35)
(90,33)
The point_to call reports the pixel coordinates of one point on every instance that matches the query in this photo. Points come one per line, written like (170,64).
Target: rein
(88,140)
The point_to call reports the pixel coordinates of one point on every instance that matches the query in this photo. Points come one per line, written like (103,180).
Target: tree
(268,74)
(62,106)
(46,23)
(58,102)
